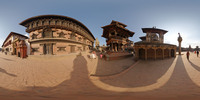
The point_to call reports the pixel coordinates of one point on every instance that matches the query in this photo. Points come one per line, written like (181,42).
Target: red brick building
(10,44)
(57,35)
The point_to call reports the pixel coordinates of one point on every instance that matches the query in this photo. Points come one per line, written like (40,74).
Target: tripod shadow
(194,66)
(5,72)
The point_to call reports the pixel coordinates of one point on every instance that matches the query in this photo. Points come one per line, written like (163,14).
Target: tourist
(93,55)
(197,53)
(188,54)
(101,55)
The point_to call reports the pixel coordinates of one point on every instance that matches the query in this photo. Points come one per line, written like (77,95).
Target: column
(169,53)
(111,46)
(155,54)
(179,48)
(136,53)
(115,47)
(174,53)
(145,53)
(118,47)
(163,53)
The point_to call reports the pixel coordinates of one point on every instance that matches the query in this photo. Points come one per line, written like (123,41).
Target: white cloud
(27,34)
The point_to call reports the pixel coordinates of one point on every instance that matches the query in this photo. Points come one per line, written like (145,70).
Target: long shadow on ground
(143,74)
(195,66)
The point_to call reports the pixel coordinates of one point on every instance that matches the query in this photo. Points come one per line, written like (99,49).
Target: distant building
(57,35)
(197,48)
(103,49)
(152,46)
(97,44)
(11,45)
(190,48)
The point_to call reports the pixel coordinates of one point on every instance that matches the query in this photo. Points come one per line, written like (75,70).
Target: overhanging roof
(153,30)
(23,23)
(13,33)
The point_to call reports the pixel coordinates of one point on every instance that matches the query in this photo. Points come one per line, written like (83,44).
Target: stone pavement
(68,77)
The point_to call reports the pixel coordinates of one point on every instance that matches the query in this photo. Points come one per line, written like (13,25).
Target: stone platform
(117,55)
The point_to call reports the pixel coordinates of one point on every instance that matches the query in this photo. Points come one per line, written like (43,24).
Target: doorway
(172,53)
(48,49)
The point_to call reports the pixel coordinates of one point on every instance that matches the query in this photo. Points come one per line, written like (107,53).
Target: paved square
(68,77)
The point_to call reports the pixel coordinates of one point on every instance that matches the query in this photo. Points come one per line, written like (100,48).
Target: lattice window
(61,35)
(79,38)
(73,36)
(34,36)
(47,33)
(61,48)
(35,49)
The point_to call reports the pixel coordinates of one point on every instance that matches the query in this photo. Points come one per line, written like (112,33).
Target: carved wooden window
(79,38)
(47,33)
(113,33)
(84,40)
(73,36)
(35,49)
(61,35)
(56,22)
(34,36)
(154,37)
(79,49)
(72,48)
(61,49)
(62,23)
(37,23)
(32,25)
(42,22)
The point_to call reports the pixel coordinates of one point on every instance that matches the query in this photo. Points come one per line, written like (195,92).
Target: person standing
(188,54)
(197,53)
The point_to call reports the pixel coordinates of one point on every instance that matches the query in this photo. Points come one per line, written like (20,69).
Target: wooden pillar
(115,47)
(111,46)
(145,53)
(136,53)
(155,54)
(174,52)
(163,53)
(118,47)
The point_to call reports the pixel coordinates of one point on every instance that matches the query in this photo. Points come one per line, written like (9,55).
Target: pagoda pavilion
(152,46)
(117,39)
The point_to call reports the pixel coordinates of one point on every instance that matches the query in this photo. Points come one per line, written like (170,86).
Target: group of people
(94,56)
(188,54)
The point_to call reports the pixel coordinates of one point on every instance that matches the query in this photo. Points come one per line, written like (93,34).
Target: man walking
(188,54)
(197,53)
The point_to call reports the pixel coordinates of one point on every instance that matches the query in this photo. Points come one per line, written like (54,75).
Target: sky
(175,16)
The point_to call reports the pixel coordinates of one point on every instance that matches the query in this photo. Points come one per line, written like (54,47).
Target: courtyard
(76,77)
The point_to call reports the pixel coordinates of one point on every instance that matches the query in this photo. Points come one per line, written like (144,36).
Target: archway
(166,53)
(141,53)
(159,53)
(150,54)
(172,53)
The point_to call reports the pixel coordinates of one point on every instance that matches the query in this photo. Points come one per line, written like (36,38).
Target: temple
(57,35)
(152,45)
(117,39)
